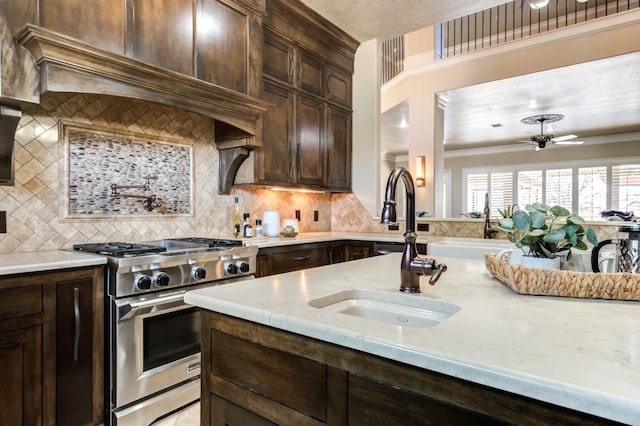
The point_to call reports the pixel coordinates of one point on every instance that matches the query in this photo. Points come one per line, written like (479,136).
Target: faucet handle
(440,268)
(426,266)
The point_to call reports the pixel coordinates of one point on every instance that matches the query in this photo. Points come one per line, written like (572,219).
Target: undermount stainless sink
(391,308)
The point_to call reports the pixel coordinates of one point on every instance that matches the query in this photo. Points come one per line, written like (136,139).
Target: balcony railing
(516,20)
(392,58)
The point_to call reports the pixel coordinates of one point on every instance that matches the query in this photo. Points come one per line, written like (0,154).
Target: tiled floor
(189,416)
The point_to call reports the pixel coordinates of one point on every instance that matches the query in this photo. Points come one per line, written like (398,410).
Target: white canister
(271,223)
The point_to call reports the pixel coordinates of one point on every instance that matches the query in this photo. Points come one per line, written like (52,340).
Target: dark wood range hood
(59,63)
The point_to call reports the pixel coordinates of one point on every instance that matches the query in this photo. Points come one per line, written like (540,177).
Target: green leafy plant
(508,211)
(543,231)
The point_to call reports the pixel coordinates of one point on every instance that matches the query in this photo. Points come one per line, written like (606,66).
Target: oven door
(156,345)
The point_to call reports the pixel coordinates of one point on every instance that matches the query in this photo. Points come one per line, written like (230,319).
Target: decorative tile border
(96,159)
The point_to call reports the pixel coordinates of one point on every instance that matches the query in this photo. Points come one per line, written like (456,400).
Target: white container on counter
(271,223)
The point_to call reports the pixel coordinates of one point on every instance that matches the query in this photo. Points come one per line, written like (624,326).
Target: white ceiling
(597,98)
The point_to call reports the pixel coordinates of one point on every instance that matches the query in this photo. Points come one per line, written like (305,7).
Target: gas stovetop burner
(119,249)
(210,242)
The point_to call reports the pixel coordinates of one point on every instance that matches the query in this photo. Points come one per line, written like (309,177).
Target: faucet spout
(488,230)
(412,265)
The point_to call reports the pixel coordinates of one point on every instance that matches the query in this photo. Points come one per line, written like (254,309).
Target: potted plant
(546,232)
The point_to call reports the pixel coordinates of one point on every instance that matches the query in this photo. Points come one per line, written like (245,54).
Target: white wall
(366,126)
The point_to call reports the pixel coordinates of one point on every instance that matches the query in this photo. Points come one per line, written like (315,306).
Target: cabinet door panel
(223,40)
(300,259)
(372,402)
(294,381)
(160,32)
(20,301)
(21,377)
(275,158)
(339,150)
(225,413)
(308,73)
(74,354)
(97,23)
(278,59)
(310,147)
(339,87)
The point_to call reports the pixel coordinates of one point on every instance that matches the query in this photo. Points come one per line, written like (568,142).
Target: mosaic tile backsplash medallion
(97,160)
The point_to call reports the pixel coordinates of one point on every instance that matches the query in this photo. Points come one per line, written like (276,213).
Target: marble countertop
(577,353)
(20,263)
(314,237)
(24,262)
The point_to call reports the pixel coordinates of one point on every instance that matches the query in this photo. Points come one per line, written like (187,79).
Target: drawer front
(296,260)
(289,379)
(17,302)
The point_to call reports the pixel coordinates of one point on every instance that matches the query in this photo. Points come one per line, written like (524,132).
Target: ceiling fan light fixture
(538,4)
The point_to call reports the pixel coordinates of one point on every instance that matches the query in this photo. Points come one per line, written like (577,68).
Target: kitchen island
(499,354)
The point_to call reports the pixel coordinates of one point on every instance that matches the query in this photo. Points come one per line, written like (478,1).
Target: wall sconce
(420,167)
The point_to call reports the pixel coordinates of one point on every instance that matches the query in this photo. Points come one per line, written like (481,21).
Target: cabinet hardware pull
(298,156)
(291,64)
(76,317)
(329,166)
(300,259)
(290,162)
(299,68)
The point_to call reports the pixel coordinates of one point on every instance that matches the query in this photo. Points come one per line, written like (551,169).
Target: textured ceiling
(368,19)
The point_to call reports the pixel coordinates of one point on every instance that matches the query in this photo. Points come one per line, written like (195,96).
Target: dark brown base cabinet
(258,375)
(277,260)
(51,348)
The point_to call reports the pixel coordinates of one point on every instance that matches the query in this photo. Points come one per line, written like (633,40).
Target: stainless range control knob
(243,267)
(161,279)
(199,273)
(231,269)
(143,282)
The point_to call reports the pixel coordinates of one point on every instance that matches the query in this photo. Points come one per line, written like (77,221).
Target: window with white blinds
(625,188)
(500,192)
(529,187)
(586,189)
(592,191)
(477,187)
(559,188)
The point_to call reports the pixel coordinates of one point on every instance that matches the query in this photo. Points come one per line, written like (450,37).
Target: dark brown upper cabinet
(160,32)
(100,24)
(228,53)
(307,69)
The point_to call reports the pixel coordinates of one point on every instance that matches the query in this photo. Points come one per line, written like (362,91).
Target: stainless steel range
(152,357)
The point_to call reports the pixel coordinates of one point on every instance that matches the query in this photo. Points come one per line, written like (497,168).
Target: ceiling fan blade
(568,142)
(564,138)
(528,141)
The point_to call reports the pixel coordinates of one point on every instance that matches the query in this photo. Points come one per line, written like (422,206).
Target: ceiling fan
(542,140)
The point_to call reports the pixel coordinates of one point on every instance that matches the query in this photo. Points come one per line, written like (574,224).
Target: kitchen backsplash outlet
(3,222)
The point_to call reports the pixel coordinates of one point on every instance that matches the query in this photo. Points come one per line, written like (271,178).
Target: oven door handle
(129,309)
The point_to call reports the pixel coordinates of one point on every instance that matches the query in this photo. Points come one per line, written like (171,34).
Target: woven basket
(555,282)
